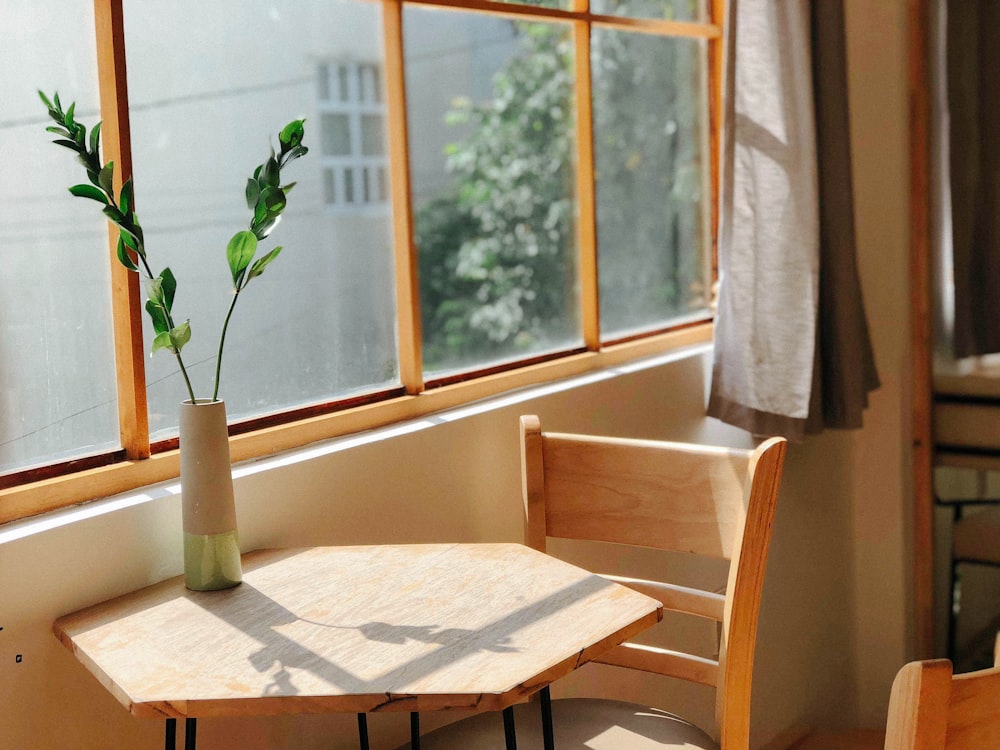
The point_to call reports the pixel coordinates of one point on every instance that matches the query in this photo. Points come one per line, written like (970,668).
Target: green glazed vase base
(212,561)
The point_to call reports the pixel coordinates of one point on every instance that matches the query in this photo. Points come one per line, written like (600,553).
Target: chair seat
(977,537)
(578,724)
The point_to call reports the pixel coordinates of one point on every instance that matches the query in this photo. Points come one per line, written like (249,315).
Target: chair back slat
(930,708)
(661,495)
(675,598)
(664,662)
(974,710)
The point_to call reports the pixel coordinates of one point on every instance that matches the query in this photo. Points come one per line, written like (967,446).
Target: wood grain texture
(383,628)
(655,494)
(932,709)
(918,706)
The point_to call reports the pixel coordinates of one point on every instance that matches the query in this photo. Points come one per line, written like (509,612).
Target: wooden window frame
(138,462)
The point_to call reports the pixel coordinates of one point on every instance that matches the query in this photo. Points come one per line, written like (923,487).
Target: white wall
(835,622)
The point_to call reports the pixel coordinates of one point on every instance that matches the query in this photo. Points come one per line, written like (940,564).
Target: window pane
(372,135)
(667,10)
(492,147)
(652,192)
(336,135)
(57,369)
(206,95)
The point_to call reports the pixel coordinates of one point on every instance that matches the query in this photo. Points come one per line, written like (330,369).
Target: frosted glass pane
(57,373)
(492,141)
(652,192)
(210,84)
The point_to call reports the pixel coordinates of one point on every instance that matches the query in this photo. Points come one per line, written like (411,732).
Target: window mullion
(715,110)
(585,190)
(407,280)
(133,417)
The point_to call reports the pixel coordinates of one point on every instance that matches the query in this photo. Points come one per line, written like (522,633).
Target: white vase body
(211,540)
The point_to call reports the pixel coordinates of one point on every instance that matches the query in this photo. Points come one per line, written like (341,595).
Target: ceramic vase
(211,542)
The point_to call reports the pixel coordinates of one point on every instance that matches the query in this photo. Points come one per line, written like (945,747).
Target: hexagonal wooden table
(423,627)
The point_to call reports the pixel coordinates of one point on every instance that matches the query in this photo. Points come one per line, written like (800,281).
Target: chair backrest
(711,501)
(932,709)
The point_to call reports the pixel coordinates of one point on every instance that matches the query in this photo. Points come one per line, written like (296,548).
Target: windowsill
(136,482)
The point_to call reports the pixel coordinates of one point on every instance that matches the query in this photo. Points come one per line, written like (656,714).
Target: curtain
(792,349)
(973,71)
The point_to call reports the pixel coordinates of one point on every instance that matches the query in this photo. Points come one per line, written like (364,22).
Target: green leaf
(158,316)
(261,263)
(67,144)
(271,175)
(169,285)
(55,98)
(95,140)
(263,228)
(154,290)
(123,256)
(274,200)
(57,130)
(181,335)
(163,341)
(291,135)
(106,179)
(128,238)
(45,99)
(239,253)
(69,117)
(253,192)
(115,215)
(125,197)
(89,191)
(287,188)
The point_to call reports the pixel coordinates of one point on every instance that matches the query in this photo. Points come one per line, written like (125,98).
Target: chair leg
(955,606)
(509,735)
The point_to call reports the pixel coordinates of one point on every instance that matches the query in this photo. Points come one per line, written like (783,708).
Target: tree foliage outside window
(494,247)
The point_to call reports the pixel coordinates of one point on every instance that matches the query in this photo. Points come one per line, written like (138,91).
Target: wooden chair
(932,709)
(710,501)
(966,430)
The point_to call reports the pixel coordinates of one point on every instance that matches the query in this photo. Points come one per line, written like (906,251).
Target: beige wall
(835,621)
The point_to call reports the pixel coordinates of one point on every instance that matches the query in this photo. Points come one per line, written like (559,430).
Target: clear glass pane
(373,135)
(492,168)
(57,370)
(335,131)
(207,95)
(651,156)
(666,10)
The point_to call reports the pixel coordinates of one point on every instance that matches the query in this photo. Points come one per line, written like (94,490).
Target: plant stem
(222,343)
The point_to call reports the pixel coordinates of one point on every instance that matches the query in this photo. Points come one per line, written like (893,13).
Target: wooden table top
(356,629)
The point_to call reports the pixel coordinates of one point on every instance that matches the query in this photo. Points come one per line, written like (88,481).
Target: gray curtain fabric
(792,349)
(973,70)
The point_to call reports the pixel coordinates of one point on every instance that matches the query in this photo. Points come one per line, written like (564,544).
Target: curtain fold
(973,72)
(792,349)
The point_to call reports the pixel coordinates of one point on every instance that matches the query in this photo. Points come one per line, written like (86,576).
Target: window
(352,135)
(518,193)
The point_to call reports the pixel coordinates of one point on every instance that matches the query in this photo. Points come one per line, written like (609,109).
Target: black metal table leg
(414,730)
(509,735)
(190,734)
(548,737)
(170,735)
(363,731)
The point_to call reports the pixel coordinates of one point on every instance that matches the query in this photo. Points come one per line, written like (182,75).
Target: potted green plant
(211,546)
